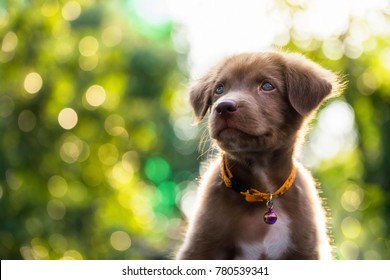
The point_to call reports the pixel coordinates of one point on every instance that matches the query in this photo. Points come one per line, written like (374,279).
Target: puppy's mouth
(225,128)
(229,130)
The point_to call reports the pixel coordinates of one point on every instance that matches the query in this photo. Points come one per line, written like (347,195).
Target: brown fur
(259,135)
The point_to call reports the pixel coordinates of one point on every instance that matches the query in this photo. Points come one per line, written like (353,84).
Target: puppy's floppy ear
(308,84)
(200,97)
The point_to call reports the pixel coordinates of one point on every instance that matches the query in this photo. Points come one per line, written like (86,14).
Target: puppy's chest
(257,240)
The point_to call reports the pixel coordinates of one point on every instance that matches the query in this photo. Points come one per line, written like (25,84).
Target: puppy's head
(258,101)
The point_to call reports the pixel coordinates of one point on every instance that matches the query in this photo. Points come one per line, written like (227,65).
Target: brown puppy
(259,103)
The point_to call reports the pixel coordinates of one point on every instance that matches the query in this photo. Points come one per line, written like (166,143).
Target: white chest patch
(275,243)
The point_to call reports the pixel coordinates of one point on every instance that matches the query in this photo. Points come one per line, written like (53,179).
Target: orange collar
(252,194)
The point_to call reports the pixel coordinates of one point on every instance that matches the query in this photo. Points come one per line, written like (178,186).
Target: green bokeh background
(105,178)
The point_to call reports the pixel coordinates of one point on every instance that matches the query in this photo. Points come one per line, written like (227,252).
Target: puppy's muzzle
(225,109)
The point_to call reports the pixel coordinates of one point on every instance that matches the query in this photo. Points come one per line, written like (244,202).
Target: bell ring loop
(270,203)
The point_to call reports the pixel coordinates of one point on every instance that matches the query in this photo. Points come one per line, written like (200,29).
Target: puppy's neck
(265,171)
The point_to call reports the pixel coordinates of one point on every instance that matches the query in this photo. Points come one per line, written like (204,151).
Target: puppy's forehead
(251,66)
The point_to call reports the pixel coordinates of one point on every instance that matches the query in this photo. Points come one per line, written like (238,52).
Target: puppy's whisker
(204,140)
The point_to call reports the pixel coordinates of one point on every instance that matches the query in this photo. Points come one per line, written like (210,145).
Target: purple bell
(270,217)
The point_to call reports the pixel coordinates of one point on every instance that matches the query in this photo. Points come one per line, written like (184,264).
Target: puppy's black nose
(226,108)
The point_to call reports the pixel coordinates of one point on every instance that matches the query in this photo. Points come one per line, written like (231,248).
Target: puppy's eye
(266,86)
(219,89)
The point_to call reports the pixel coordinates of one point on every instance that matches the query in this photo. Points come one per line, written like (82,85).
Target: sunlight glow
(115,125)
(33,82)
(73,149)
(352,199)
(188,200)
(385,54)
(220,32)
(351,227)
(10,42)
(88,63)
(152,11)
(120,241)
(108,154)
(71,10)
(95,95)
(88,46)
(72,255)
(50,8)
(218,28)
(56,209)
(335,132)
(121,174)
(39,249)
(57,186)
(58,242)
(7,106)
(68,118)
(322,19)
(349,250)
(112,36)
(14,181)
(184,128)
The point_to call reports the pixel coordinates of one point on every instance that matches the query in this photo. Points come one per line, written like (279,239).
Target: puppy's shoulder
(304,176)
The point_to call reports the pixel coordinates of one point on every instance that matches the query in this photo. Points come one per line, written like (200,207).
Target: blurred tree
(90,167)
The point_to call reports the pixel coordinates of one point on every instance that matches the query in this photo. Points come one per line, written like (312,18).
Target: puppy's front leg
(208,235)
(202,244)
